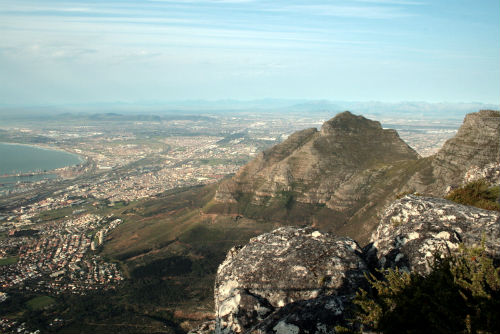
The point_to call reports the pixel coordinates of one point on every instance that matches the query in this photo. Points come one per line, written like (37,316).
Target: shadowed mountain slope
(336,179)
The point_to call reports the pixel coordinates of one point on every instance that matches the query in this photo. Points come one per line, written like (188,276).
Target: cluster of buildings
(23,216)
(109,154)
(424,138)
(11,326)
(191,161)
(59,257)
(129,188)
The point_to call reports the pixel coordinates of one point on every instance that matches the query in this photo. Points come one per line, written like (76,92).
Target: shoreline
(81,158)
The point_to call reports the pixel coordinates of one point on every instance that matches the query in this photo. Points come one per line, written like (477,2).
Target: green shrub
(460,295)
(478,193)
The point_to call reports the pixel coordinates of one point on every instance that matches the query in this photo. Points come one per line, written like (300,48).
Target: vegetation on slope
(169,249)
(477,193)
(460,295)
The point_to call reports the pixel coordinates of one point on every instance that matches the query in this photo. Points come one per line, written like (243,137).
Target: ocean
(22,159)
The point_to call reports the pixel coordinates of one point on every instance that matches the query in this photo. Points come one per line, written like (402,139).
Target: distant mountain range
(374,109)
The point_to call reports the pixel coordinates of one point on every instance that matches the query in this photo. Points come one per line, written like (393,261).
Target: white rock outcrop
(284,268)
(413,229)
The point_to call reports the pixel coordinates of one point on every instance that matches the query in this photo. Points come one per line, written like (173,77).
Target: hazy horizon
(147,52)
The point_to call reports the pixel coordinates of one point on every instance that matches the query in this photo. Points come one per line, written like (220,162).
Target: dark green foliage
(171,266)
(155,291)
(109,312)
(286,198)
(40,302)
(460,295)
(478,193)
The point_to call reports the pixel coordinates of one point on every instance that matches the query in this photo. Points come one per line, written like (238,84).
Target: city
(52,230)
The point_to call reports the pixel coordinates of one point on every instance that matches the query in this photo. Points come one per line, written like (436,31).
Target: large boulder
(295,268)
(414,229)
(315,316)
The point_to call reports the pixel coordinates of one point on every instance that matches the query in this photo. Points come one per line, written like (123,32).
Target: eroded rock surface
(323,178)
(315,316)
(490,173)
(285,267)
(472,152)
(414,228)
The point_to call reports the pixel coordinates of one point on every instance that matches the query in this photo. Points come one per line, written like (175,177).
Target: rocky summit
(299,280)
(340,172)
(341,177)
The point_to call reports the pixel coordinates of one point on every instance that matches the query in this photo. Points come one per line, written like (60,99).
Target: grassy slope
(8,260)
(171,249)
(40,302)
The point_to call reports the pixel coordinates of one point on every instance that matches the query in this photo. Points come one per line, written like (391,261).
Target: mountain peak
(346,121)
(335,172)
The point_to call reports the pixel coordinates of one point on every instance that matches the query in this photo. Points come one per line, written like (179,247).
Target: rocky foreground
(299,280)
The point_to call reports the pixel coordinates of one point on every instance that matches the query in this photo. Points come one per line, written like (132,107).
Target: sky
(70,52)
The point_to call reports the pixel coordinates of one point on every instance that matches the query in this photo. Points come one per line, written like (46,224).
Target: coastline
(81,159)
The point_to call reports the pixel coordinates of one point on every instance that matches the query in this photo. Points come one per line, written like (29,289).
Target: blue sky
(57,52)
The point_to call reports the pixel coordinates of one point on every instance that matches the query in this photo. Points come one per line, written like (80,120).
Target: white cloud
(363,12)
(204,1)
(392,2)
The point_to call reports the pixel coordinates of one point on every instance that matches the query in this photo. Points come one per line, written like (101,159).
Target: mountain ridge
(339,178)
(190,225)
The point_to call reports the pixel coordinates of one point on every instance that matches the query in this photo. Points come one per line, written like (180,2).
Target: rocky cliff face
(299,280)
(344,168)
(339,178)
(474,150)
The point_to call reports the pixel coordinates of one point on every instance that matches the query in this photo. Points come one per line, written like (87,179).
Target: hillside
(339,178)
(336,179)
(328,178)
